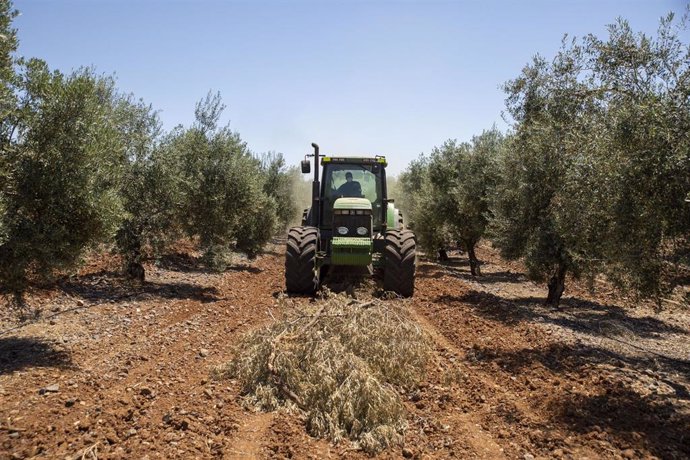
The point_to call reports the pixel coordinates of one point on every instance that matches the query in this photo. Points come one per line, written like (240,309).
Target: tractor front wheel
(400,261)
(301,274)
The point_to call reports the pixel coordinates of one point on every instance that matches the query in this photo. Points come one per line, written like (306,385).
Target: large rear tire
(301,275)
(400,261)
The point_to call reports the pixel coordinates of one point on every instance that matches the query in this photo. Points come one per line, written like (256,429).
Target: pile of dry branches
(342,362)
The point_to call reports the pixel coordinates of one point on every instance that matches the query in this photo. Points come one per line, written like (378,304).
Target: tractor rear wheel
(301,275)
(400,261)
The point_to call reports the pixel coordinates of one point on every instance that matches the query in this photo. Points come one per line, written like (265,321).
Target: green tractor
(351,222)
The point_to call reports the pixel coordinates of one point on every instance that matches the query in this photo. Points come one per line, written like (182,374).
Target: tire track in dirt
(465,424)
(543,392)
(134,378)
(504,405)
(145,388)
(250,436)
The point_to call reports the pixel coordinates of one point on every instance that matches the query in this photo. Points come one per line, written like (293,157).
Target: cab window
(364,183)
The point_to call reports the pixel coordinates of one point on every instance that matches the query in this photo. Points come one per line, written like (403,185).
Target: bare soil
(110,369)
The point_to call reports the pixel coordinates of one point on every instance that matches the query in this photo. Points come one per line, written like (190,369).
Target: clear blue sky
(358,77)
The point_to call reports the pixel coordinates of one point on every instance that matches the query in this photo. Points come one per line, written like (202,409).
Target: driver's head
(348,176)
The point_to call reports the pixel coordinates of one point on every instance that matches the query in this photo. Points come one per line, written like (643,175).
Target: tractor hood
(352,203)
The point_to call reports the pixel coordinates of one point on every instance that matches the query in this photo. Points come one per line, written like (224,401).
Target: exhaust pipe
(315,146)
(316,189)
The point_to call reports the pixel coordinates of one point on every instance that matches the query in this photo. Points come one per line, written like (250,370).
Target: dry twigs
(88,453)
(343,368)
(12,429)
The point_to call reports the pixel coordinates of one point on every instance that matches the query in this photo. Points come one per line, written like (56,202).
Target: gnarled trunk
(475,269)
(135,271)
(556,285)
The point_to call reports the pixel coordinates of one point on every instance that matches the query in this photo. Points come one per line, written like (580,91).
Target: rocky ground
(114,370)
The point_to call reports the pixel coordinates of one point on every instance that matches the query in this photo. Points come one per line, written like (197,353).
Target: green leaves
(148,187)
(8,46)
(223,187)
(594,175)
(279,183)
(599,159)
(82,164)
(61,165)
(447,196)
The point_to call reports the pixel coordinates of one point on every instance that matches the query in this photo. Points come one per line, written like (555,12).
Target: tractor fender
(394,218)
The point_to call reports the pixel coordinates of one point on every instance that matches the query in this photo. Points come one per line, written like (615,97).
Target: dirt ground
(114,370)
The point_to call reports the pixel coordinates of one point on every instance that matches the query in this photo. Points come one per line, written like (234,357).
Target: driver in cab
(351,188)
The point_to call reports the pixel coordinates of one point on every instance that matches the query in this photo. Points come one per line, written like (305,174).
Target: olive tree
(593,178)
(8,76)
(422,210)
(223,202)
(474,174)
(300,192)
(149,188)
(644,83)
(278,184)
(62,158)
(449,193)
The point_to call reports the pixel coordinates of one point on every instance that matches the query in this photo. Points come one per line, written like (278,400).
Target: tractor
(351,222)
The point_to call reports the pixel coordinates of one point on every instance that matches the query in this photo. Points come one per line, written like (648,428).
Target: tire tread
(400,262)
(300,260)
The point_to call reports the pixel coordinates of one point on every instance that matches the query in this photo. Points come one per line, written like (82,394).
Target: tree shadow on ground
(118,289)
(560,357)
(430,272)
(460,269)
(274,252)
(180,291)
(579,315)
(602,319)
(488,305)
(181,262)
(17,353)
(494,277)
(611,409)
(244,268)
(629,418)
(186,263)
(454,262)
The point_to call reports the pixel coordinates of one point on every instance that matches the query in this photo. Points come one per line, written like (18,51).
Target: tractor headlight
(342,230)
(362,231)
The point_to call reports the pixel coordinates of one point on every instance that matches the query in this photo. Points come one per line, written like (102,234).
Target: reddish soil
(114,370)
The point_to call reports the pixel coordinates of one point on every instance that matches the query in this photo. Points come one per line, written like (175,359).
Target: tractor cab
(359,178)
(351,222)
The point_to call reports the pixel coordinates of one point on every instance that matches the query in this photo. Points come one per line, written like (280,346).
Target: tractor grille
(351,219)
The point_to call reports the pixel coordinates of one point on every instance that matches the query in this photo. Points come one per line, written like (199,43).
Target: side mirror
(306,166)
(390,200)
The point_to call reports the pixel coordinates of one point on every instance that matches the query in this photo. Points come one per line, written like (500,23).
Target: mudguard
(393,217)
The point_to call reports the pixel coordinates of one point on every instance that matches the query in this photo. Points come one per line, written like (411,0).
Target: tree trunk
(17,300)
(474,262)
(135,270)
(556,286)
